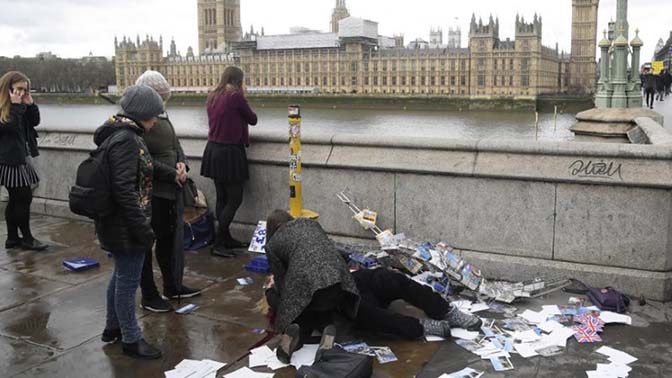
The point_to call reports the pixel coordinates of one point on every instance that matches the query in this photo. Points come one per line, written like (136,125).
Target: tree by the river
(63,75)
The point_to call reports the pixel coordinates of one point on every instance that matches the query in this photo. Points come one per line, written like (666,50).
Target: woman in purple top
(224,159)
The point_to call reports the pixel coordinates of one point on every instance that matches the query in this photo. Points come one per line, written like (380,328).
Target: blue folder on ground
(80,264)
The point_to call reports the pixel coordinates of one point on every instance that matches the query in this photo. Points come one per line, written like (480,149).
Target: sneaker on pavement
(459,319)
(433,327)
(156,304)
(184,292)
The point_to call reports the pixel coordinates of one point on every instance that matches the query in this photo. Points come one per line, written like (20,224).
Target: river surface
(517,125)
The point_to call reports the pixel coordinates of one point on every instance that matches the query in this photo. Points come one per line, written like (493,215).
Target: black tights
(650,97)
(17,213)
(229,198)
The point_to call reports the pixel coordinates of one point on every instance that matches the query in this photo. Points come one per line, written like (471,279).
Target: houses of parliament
(353,58)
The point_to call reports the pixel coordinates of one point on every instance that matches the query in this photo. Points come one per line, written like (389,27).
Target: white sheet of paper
(462,333)
(246,372)
(462,305)
(612,317)
(433,339)
(466,372)
(550,326)
(304,356)
(525,350)
(561,335)
(260,356)
(534,317)
(498,353)
(616,355)
(551,310)
(614,369)
(477,307)
(526,336)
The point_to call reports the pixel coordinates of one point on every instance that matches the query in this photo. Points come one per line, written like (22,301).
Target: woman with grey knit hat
(127,233)
(170,167)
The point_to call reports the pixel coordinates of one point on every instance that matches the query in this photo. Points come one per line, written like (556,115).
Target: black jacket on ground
(128,229)
(18,133)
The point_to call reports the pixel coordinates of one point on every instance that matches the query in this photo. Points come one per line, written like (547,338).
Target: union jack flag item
(591,322)
(585,335)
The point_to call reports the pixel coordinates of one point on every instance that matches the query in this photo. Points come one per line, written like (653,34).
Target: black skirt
(18,176)
(225,163)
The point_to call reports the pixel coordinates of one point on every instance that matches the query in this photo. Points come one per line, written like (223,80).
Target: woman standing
(224,159)
(127,232)
(19,116)
(170,173)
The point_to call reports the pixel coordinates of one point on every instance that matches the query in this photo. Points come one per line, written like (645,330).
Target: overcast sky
(73,28)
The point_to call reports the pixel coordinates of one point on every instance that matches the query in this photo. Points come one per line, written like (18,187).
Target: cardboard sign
(258,242)
(657,67)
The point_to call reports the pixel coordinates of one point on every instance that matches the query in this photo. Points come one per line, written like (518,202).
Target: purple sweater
(228,117)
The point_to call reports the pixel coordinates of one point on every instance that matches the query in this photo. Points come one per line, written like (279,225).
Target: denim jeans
(121,295)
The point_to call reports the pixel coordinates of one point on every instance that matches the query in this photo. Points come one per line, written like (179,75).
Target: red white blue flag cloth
(584,334)
(592,322)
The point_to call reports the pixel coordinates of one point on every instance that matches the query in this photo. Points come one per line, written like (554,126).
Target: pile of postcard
(264,356)
(418,257)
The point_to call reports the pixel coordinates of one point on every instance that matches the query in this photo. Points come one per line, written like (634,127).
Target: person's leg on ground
(374,318)
(128,269)
(112,330)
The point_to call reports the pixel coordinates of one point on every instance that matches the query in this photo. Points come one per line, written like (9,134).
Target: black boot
(141,350)
(220,250)
(33,245)
(111,335)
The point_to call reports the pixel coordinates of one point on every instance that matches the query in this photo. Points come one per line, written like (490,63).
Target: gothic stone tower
(218,24)
(340,12)
(582,65)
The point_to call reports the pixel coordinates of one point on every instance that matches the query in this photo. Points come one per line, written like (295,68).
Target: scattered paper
(434,339)
(461,333)
(616,356)
(245,281)
(533,317)
(384,354)
(248,373)
(195,369)
(464,373)
(525,350)
(526,336)
(304,356)
(612,317)
(551,310)
(550,326)
(501,363)
(477,307)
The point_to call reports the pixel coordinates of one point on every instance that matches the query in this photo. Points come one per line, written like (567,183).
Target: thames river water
(518,125)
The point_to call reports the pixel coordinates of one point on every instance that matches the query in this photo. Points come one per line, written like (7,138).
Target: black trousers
(163,224)
(17,213)
(229,199)
(379,287)
(650,97)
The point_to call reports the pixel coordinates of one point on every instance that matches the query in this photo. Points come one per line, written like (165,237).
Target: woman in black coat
(19,116)
(310,276)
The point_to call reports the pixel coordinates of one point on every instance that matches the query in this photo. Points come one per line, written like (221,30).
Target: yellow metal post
(295,187)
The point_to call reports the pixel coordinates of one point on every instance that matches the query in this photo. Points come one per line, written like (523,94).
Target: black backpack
(92,196)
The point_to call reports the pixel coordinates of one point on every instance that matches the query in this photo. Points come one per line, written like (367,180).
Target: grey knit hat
(157,82)
(141,103)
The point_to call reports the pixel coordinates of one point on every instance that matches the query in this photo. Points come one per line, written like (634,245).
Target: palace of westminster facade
(354,59)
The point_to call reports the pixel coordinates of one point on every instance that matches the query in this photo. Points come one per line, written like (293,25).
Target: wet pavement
(51,321)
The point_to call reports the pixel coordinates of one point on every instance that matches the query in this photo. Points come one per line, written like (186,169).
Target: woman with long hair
(19,115)
(225,159)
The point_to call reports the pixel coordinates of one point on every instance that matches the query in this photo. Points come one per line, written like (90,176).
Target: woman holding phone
(19,115)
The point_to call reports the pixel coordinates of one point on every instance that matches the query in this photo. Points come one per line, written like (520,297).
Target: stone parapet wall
(596,212)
